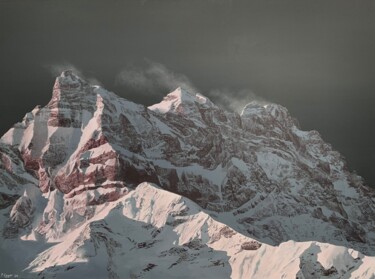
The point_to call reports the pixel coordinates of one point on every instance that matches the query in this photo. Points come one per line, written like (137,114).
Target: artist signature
(8,275)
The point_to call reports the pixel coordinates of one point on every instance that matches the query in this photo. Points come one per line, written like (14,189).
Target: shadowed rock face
(21,213)
(274,180)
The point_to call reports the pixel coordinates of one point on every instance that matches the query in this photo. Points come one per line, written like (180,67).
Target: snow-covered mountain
(95,185)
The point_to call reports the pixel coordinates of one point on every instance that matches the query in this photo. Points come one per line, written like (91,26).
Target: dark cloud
(314,57)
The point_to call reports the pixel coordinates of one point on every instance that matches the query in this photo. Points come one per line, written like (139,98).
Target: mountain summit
(93,185)
(181,101)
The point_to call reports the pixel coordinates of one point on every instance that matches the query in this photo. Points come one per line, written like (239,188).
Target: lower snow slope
(153,233)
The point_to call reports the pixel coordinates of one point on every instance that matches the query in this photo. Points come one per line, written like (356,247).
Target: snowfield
(152,233)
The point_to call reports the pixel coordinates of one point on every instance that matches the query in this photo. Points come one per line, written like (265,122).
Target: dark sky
(317,58)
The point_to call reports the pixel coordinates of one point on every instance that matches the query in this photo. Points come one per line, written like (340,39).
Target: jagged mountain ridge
(256,172)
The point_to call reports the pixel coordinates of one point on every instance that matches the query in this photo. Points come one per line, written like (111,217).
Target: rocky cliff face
(256,173)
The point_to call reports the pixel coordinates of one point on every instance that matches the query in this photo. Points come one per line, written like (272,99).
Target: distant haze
(317,58)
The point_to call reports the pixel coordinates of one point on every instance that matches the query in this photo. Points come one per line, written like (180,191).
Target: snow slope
(152,233)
